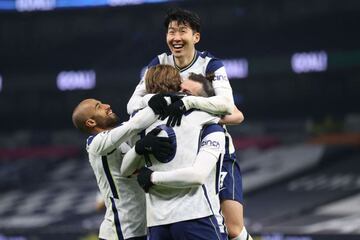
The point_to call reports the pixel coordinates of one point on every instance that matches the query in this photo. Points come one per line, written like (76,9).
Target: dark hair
(205,81)
(183,16)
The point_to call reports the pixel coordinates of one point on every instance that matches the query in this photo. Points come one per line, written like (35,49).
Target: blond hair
(162,78)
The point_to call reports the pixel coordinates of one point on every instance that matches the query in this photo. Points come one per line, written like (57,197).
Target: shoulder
(213,63)
(211,128)
(94,140)
(163,58)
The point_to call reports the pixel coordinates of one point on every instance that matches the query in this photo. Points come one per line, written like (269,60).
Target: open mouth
(178,46)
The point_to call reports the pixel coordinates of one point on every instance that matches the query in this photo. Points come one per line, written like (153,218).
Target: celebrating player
(183,33)
(182,200)
(106,148)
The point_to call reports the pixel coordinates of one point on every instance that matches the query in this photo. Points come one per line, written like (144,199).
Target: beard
(110,121)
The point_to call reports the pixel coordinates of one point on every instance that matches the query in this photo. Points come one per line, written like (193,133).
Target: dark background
(118,42)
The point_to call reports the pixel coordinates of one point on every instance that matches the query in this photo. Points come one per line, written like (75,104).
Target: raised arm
(137,101)
(113,138)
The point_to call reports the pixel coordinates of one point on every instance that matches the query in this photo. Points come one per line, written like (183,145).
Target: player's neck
(184,61)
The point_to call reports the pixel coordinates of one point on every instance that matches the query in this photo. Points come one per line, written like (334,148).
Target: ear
(196,37)
(90,123)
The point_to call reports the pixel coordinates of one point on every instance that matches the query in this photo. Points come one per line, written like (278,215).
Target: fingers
(168,123)
(178,122)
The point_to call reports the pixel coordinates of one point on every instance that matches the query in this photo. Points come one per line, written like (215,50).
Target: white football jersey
(125,215)
(203,63)
(167,205)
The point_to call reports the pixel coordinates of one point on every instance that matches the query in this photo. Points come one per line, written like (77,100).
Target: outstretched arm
(113,138)
(212,147)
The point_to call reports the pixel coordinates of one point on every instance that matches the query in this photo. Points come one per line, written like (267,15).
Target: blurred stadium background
(295,72)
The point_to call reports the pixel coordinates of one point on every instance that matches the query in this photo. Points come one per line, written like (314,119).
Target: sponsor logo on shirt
(210,143)
(220,77)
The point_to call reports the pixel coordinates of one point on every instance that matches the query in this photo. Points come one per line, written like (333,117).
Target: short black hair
(183,16)
(205,81)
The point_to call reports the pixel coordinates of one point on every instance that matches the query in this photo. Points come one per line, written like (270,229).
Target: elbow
(240,118)
(129,107)
(228,106)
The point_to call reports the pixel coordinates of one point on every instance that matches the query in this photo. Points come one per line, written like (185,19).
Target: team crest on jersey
(214,144)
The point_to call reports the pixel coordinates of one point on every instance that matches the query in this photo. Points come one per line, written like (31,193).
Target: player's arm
(211,148)
(233,119)
(113,138)
(131,162)
(223,102)
(160,147)
(187,177)
(137,101)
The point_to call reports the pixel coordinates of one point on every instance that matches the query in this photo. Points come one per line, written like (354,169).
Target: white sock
(242,236)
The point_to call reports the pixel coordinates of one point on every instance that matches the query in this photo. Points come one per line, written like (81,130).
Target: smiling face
(93,116)
(103,115)
(181,39)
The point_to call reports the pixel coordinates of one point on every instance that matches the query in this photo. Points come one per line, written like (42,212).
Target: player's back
(168,205)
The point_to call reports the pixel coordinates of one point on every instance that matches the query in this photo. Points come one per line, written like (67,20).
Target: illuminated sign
(34,5)
(236,68)
(124,2)
(1,83)
(309,62)
(73,80)
(45,5)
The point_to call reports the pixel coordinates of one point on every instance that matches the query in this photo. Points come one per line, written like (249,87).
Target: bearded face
(107,121)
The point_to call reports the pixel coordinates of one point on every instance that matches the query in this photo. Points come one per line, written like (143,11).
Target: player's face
(191,88)
(103,115)
(181,39)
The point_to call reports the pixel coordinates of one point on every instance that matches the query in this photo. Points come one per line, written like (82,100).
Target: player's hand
(160,147)
(174,97)
(144,178)
(176,111)
(159,105)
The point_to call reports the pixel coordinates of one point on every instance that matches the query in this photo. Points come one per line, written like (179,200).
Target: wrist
(187,102)
(139,148)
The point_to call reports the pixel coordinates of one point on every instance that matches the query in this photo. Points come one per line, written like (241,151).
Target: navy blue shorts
(196,229)
(231,181)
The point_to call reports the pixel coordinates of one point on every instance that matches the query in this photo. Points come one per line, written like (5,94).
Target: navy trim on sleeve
(210,129)
(90,139)
(213,65)
(154,62)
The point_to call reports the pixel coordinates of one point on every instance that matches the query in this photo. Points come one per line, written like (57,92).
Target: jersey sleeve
(131,162)
(223,101)
(212,146)
(106,141)
(136,101)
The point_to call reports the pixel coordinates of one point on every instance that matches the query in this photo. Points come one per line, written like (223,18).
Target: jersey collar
(196,55)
